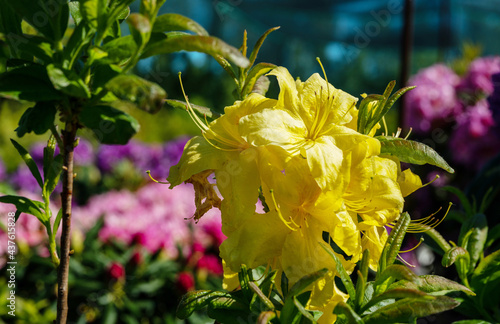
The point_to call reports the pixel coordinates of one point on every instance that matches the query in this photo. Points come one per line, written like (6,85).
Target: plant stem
(68,137)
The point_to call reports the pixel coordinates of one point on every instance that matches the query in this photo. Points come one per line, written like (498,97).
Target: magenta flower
(474,141)
(434,99)
(116,271)
(477,83)
(210,263)
(184,282)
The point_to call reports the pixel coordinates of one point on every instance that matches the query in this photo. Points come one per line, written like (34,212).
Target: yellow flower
(224,152)
(307,120)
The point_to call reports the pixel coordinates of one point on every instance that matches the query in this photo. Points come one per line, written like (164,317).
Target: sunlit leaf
(29,162)
(27,206)
(412,152)
(67,81)
(194,43)
(172,21)
(197,300)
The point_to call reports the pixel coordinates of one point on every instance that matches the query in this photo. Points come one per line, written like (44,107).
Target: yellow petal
(409,182)
(259,239)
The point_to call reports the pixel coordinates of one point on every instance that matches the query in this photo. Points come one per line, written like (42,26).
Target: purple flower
(84,153)
(3,171)
(477,81)
(494,101)
(434,100)
(22,179)
(473,142)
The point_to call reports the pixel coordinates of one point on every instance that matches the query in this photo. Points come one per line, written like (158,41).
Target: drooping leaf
(172,21)
(29,83)
(37,46)
(194,43)
(203,111)
(27,206)
(29,162)
(197,300)
(109,125)
(68,82)
(407,309)
(412,152)
(147,95)
(37,119)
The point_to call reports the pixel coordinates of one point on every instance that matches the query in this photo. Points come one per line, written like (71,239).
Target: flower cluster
(443,99)
(317,177)
(152,217)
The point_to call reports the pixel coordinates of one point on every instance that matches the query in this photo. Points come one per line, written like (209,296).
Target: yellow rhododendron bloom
(222,151)
(308,120)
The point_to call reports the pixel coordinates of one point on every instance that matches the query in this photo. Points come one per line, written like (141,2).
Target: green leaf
(348,312)
(412,152)
(29,162)
(290,313)
(486,281)
(256,48)
(81,37)
(398,293)
(395,272)
(57,222)
(27,206)
(454,254)
(197,300)
(110,125)
(140,28)
(302,310)
(94,12)
(203,111)
(205,44)
(254,74)
(472,322)
(477,237)
(305,282)
(68,82)
(34,13)
(436,285)
(263,298)
(394,241)
(119,50)
(493,235)
(74,9)
(37,46)
(407,309)
(146,95)
(172,21)
(103,73)
(29,83)
(52,177)
(37,119)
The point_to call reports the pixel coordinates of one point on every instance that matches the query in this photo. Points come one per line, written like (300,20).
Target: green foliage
(395,295)
(412,152)
(477,269)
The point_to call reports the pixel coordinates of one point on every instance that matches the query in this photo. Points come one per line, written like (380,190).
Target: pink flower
(211,263)
(116,271)
(434,99)
(185,282)
(474,141)
(477,81)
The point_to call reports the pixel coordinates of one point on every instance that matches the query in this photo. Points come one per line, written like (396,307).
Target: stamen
(413,248)
(162,182)
(405,262)
(385,125)
(408,135)
(287,224)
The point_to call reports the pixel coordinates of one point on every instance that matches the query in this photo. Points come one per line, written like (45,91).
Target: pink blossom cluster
(155,217)
(444,100)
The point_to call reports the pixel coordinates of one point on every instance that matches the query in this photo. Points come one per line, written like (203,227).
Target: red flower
(116,271)
(185,282)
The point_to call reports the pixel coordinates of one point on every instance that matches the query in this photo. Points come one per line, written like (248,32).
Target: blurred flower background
(136,249)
